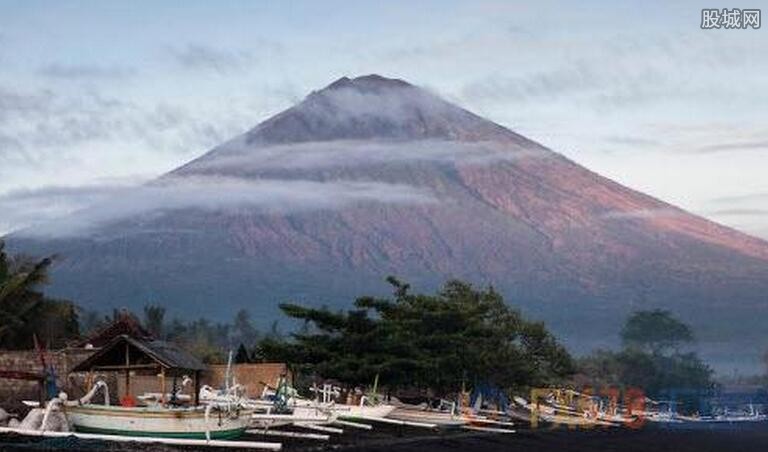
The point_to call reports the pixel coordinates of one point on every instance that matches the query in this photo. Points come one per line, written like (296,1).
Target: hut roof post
(127,370)
(196,395)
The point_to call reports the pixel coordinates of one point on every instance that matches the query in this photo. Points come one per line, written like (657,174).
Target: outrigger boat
(286,399)
(368,407)
(193,426)
(560,415)
(163,415)
(420,414)
(265,413)
(200,422)
(725,415)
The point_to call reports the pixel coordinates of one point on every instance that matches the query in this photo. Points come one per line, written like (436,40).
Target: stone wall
(12,392)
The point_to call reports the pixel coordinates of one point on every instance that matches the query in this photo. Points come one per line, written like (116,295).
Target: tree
(154,320)
(204,339)
(459,335)
(655,331)
(243,330)
(651,361)
(92,321)
(242,356)
(25,311)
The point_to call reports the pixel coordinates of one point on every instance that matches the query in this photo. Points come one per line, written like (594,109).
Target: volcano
(373,176)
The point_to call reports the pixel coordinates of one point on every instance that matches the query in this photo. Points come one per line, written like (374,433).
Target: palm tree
(23,307)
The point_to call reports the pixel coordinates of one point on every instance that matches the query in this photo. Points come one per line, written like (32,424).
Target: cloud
(734,146)
(745,211)
(517,30)
(14,103)
(374,96)
(80,211)
(583,82)
(745,198)
(26,207)
(82,71)
(202,57)
(237,156)
(8,143)
(538,85)
(36,126)
(618,70)
(632,141)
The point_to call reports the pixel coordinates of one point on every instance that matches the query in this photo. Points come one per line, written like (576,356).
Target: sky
(99,96)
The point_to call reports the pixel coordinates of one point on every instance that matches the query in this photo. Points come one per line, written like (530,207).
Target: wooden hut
(144,358)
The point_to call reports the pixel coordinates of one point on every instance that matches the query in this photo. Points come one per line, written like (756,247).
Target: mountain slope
(424,190)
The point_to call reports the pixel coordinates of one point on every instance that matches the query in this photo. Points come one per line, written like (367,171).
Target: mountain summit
(373,106)
(370,177)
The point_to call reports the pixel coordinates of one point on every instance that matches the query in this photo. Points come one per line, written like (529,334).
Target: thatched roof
(124,352)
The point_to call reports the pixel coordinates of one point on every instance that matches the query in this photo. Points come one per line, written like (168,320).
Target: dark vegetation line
(430,344)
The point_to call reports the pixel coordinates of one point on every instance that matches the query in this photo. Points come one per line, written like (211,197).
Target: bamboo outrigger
(168,414)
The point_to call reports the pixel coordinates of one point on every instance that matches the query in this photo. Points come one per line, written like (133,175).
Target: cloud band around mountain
(80,211)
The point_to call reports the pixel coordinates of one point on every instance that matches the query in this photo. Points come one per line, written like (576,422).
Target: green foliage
(208,341)
(25,311)
(58,323)
(660,374)
(656,331)
(91,321)
(435,341)
(650,360)
(601,369)
(154,317)
(243,330)
(242,356)
(653,373)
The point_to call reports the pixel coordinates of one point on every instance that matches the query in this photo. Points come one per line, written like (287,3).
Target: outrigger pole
(143,439)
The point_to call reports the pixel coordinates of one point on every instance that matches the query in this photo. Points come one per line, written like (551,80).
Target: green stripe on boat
(223,434)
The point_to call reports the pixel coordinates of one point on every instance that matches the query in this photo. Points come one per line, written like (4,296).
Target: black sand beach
(751,437)
(677,439)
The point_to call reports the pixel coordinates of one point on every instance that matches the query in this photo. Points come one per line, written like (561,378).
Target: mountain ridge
(565,244)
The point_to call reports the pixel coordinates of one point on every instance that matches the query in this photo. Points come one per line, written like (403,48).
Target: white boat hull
(439,418)
(363,412)
(158,422)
